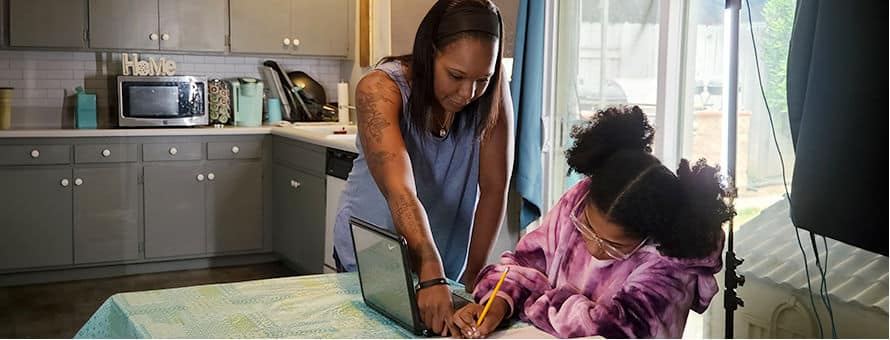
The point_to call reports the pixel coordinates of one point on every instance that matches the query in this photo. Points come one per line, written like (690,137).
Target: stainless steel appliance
(162,101)
(338,165)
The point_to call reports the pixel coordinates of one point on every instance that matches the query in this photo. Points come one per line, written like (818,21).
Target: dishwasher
(338,164)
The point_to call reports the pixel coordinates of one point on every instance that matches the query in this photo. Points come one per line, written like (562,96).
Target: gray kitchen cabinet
(174,208)
(299,27)
(35,217)
(234,206)
(259,26)
(193,25)
(47,23)
(406,15)
(298,218)
(106,213)
(124,24)
(320,27)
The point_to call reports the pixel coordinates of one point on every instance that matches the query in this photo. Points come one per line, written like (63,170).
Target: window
(607,54)
(758,170)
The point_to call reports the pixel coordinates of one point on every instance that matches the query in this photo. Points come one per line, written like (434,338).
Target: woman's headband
(469,19)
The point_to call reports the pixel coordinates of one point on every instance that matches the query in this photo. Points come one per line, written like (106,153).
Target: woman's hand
(465,319)
(436,309)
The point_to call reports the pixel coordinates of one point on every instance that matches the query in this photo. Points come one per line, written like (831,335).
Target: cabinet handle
(296,42)
(200,177)
(173,151)
(64,182)
(78,181)
(106,153)
(153,36)
(286,42)
(165,36)
(295,184)
(235,149)
(211,176)
(35,153)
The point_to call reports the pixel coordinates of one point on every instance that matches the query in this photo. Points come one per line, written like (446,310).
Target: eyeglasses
(587,231)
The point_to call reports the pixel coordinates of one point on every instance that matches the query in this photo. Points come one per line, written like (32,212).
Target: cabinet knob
(153,36)
(64,182)
(78,181)
(286,42)
(35,153)
(211,176)
(200,177)
(235,149)
(295,42)
(165,36)
(106,153)
(173,151)
(295,184)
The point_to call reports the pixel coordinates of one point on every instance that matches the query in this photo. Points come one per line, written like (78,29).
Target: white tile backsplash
(44,81)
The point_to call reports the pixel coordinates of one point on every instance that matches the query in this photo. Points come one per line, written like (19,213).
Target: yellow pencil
(491,297)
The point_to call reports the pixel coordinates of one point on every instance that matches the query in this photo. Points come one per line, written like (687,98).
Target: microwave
(162,101)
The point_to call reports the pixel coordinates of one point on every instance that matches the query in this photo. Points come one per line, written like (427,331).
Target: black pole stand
(732,280)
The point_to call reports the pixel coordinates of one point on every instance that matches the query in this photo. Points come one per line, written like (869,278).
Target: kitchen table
(315,306)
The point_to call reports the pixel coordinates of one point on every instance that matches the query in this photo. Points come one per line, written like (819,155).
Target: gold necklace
(442,130)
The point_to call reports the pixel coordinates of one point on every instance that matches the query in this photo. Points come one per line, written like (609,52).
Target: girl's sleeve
(529,264)
(651,303)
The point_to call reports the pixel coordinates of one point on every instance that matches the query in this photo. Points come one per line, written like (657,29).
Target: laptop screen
(381,267)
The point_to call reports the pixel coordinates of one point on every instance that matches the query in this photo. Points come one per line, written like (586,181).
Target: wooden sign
(132,65)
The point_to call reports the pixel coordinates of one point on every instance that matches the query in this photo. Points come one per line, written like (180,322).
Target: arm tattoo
(379,158)
(406,213)
(411,220)
(373,120)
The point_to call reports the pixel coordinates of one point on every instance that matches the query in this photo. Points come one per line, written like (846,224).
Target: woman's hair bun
(607,132)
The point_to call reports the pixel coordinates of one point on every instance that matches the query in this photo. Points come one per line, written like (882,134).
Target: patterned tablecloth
(316,306)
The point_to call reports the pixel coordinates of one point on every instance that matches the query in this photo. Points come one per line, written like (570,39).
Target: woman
(626,253)
(434,130)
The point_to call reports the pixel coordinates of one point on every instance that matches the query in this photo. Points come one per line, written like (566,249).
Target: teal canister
(85,111)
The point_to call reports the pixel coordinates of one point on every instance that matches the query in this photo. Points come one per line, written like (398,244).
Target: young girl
(626,253)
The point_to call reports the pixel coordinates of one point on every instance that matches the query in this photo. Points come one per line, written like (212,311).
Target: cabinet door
(234,206)
(106,214)
(124,24)
(299,200)
(47,23)
(406,15)
(320,27)
(35,217)
(259,26)
(174,210)
(194,25)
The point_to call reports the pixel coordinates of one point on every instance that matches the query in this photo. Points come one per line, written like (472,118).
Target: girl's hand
(465,318)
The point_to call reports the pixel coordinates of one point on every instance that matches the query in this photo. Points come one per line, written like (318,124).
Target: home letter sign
(132,65)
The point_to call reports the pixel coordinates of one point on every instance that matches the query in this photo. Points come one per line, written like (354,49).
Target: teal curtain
(526,86)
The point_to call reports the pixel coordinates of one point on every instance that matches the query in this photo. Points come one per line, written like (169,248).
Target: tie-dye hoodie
(558,286)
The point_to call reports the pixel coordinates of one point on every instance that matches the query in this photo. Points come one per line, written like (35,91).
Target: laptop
(385,277)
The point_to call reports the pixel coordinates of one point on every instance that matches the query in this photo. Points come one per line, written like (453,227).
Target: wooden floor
(58,310)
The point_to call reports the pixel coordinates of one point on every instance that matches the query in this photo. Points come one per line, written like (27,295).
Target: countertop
(320,134)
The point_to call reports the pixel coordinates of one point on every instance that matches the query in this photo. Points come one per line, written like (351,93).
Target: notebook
(385,277)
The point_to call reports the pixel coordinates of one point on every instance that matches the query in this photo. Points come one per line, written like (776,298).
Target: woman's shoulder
(377,82)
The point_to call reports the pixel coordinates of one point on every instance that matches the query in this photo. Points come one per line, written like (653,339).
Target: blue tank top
(446,176)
